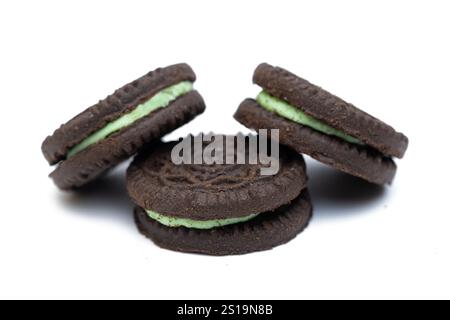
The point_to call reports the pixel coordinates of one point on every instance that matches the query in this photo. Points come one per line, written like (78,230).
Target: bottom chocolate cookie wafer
(263,232)
(357,160)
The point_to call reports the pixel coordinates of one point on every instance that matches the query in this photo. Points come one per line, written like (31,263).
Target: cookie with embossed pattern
(218,209)
(315,122)
(117,127)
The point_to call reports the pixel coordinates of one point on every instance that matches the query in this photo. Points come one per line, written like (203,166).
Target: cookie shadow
(105,198)
(339,195)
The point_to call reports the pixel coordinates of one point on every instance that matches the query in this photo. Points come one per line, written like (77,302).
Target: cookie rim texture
(359,161)
(330,109)
(92,162)
(56,146)
(147,189)
(265,232)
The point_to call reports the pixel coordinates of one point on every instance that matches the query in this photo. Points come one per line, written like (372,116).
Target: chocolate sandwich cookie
(315,122)
(116,128)
(218,209)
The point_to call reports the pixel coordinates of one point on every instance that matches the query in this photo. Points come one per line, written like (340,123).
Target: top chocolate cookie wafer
(215,191)
(57,146)
(331,110)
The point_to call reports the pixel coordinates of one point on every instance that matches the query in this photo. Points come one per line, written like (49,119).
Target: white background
(391,58)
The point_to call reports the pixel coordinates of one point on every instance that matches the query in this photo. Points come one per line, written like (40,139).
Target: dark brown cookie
(207,192)
(56,146)
(360,161)
(98,158)
(80,168)
(264,232)
(330,109)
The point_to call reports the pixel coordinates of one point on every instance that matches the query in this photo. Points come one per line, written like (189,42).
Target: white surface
(390,58)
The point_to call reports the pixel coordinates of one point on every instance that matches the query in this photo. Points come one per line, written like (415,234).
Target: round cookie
(116,128)
(218,209)
(315,122)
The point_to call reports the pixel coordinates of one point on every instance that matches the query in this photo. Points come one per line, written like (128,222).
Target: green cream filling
(285,110)
(174,222)
(160,100)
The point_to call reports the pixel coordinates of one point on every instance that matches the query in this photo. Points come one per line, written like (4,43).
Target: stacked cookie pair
(218,209)
(117,127)
(315,122)
(215,208)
